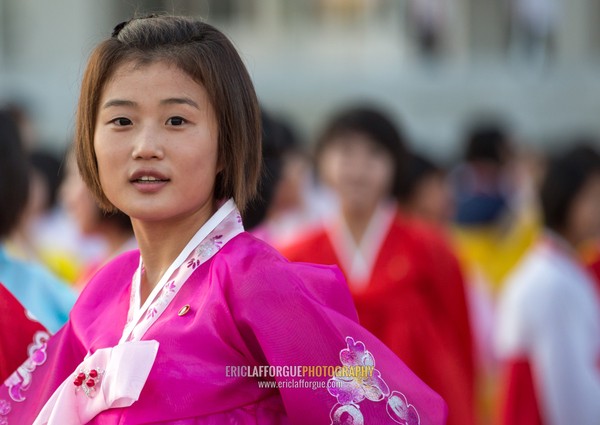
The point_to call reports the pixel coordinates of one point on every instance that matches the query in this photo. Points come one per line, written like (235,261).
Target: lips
(149,181)
(148,177)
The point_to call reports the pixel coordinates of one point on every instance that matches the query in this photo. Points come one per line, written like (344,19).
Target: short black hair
(14,175)
(278,139)
(487,141)
(566,175)
(374,123)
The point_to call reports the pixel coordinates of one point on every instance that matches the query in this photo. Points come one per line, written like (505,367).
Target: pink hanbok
(228,304)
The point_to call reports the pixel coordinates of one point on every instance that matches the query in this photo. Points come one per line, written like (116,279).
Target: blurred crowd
(481,273)
(530,35)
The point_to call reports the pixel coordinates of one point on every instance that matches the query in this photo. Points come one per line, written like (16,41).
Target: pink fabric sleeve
(292,314)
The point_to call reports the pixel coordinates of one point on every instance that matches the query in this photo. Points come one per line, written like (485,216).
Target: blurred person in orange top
(405,281)
(114,229)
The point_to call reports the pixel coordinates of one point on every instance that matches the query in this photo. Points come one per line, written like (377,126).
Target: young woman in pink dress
(204,324)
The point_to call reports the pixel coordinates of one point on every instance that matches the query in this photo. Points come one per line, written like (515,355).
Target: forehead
(135,78)
(354,139)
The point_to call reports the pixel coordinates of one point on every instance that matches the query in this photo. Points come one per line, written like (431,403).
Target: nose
(356,164)
(148,144)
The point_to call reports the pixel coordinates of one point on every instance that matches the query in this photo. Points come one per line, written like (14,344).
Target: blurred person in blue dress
(44,295)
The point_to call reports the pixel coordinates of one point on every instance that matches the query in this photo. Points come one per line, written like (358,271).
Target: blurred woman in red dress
(405,281)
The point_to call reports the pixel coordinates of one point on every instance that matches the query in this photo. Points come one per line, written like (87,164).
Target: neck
(160,243)
(357,220)
(115,238)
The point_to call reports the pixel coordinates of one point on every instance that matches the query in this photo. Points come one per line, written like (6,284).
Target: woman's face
(156,142)
(359,170)
(584,217)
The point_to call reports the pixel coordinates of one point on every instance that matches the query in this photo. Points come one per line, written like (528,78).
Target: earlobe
(220,167)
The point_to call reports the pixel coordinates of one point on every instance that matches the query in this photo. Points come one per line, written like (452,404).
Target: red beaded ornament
(91,378)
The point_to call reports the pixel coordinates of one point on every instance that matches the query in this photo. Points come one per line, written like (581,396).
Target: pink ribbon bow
(124,371)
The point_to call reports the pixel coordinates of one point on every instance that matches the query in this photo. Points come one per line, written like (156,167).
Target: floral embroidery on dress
(21,379)
(400,411)
(352,390)
(193,263)
(133,295)
(163,299)
(5,409)
(205,250)
(31,316)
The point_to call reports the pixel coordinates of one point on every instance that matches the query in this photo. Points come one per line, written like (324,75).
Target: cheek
(108,150)
(330,167)
(592,210)
(200,161)
(382,172)
(104,173)
(109,166)
(200,146)
(586,213)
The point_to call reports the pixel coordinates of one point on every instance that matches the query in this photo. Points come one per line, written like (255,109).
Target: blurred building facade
(434,63)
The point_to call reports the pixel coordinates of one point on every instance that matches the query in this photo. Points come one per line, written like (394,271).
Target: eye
(121,122)
(176,121)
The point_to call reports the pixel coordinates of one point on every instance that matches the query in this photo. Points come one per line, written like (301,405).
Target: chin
(358,206)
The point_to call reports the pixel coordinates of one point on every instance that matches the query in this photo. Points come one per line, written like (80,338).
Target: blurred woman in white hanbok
(548,331)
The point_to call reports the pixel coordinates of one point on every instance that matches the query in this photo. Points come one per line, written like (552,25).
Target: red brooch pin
(86,380)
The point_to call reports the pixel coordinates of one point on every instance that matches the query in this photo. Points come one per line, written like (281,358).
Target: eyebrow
(179,101)
(118,102)
(169,101)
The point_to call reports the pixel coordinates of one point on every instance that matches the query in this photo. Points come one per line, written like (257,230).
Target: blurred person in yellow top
(495,221)
(496,218)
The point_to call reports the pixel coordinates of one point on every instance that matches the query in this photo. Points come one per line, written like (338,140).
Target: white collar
(227,222)
(358,259)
